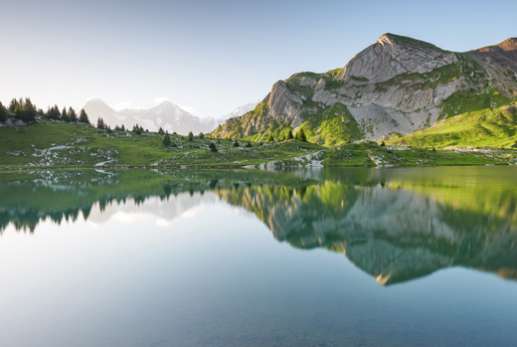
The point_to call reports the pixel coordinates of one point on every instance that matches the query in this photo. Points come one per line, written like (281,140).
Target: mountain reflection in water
(394,224)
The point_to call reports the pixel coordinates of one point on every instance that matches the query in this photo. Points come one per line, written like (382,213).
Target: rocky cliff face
(397,85)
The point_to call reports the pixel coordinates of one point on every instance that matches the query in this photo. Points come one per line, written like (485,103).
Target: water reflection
(396,225)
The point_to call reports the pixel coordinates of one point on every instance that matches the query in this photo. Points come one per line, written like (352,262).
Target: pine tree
(101,124)
(23,109)
(14,106)
(160,131)
(3,113)
(72,116)
(190,136)
(166,140)
(137,130)
(53,113)
(83,117)
(64,115)
(201,136)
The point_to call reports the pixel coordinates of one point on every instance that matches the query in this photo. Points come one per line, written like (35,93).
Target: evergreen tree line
(26,111)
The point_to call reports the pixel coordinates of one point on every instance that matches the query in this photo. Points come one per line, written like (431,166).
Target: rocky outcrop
(397,85)
(393,55)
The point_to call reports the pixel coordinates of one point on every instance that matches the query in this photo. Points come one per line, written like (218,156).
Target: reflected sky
(184,261)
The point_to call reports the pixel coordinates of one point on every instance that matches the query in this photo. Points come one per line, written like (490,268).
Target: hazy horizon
(210,58)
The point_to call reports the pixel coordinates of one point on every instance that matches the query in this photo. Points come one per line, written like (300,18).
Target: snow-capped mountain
(166,115)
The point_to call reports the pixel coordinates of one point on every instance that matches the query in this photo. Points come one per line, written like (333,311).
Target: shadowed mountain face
(396,225)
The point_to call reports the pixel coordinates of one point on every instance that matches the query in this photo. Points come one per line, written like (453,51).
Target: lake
(322,257)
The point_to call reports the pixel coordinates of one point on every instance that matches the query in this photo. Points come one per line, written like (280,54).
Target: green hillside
(61,144)
(493,128)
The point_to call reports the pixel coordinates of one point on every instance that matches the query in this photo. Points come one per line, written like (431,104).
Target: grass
(469,101)
(465,67)
(247,124)
(87,146)
(331,126)
(492,128)
(370,154)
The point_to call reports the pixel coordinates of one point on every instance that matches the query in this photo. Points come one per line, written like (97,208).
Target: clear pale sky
(211,56)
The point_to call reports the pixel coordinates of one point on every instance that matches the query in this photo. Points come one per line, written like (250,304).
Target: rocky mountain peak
(393,39)
(509,44)
(392,55)
(98,104)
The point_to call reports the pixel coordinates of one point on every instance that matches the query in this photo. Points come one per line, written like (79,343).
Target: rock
(398,84)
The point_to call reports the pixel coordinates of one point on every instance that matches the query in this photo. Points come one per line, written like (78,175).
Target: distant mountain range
(394,87)
(166,115)
(239,111)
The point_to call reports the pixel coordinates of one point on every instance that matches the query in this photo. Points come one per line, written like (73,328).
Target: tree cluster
(137,129)
(26,111)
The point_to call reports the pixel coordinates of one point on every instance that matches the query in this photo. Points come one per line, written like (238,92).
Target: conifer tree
(64,115)
(190,136)
(101,124)
(166,140)
(83,117)
(3,113)
(72,116)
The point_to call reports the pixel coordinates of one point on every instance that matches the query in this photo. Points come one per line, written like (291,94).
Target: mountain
(396,85)
(167,115)
(239,111)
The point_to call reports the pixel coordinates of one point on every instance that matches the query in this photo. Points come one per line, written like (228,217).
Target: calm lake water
(349,257)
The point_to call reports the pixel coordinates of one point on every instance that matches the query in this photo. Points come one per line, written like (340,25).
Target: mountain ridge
(396,85)
(166,115)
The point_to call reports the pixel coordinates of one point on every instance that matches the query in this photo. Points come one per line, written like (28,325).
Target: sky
(211,56)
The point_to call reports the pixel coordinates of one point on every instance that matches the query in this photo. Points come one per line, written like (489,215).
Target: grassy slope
(495,128)
(89,146)
(371,154)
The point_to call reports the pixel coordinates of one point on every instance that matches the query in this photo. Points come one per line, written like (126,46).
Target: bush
(190,136)
(236,144)
(212,147)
